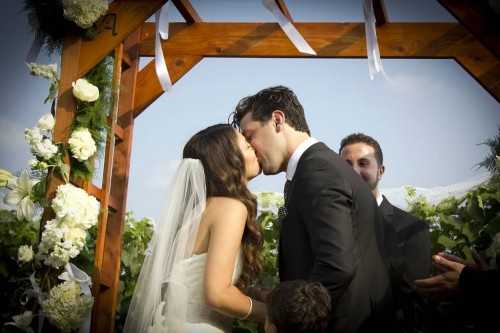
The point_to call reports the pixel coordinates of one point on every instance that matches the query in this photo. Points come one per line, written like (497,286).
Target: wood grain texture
(476,16)
(329,40)
(148,86)
(126,16)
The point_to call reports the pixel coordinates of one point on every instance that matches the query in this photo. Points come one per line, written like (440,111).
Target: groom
(332,232)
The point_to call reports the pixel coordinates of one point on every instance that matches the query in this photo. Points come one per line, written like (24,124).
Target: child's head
(298,306)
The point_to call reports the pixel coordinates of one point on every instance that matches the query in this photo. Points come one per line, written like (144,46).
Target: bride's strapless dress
(189,277)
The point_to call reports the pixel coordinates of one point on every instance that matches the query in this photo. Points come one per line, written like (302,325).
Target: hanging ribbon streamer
(374,62)
(34,51)
(161,17)
(37,293)
(292,33)
(75,274)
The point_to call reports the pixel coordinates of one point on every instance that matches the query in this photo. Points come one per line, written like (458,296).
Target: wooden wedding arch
(473,42)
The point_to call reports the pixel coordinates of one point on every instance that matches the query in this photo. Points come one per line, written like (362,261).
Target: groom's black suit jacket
(333,234)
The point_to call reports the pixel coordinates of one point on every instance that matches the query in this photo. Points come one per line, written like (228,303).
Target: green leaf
(450,220)
(446,241)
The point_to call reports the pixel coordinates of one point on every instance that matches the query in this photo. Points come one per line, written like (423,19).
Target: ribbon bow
(34,292)
(75,274)
(161,17)
(41,296)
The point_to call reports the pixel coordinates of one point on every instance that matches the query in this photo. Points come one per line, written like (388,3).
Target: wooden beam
(419,40)
(123,17)
(104,311)
(187,11)
(329,40)
(284,9)
(482,21)
(380,12)
(65,112)
(148,86)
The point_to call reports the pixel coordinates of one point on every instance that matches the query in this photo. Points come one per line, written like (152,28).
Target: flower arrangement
(50,20)
(48,289)
(84,13)
(60,289)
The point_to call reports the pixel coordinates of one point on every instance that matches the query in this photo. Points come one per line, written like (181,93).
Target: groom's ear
(278,118)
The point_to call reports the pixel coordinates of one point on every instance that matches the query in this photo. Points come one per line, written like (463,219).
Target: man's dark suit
(333,234)
(407,242)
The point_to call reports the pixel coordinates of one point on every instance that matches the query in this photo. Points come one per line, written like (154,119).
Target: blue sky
(429,122)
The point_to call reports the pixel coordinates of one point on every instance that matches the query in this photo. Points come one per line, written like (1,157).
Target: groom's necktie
(282,210)
(288,183)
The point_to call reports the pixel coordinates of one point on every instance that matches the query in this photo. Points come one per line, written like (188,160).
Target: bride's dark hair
(217,149)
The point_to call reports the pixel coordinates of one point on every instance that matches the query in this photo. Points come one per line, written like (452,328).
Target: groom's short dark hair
(265,102)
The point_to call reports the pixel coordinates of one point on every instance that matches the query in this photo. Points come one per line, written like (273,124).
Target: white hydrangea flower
(75,207)
(85,91)
(40,145)
(81,144)
(47,71)
(84,13)
(64,237)
(32,135)
(66,307)
(46,149)
(33,163)
(25,253)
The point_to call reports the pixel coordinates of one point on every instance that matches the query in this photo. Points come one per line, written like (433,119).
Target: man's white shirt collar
(379,199)
(294,159)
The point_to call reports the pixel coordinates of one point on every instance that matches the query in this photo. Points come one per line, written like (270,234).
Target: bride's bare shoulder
(225,206)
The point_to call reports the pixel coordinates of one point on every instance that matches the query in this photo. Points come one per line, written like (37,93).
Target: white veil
(173,241)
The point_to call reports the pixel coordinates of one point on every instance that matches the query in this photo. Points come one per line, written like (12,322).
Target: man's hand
(445,285)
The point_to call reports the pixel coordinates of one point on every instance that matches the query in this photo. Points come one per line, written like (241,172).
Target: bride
(205,253)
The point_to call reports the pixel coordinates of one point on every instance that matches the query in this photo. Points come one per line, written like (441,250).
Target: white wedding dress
(187,276)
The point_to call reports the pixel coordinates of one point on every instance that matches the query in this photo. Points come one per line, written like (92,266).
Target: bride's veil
(173,241)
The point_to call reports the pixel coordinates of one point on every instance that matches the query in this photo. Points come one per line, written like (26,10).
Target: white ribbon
(35,292)
(41,296)
(34,51)
(161,17)
(75,274)
(374,62)
(292,33)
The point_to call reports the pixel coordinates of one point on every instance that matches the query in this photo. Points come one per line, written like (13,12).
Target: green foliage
(136,237)
(269,222)
(457,225)
(14,276)
(490,161)
(94,115)
(47,22)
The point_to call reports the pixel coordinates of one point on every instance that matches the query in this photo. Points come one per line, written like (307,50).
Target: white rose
(85,91)
(25,253)
(47,122)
